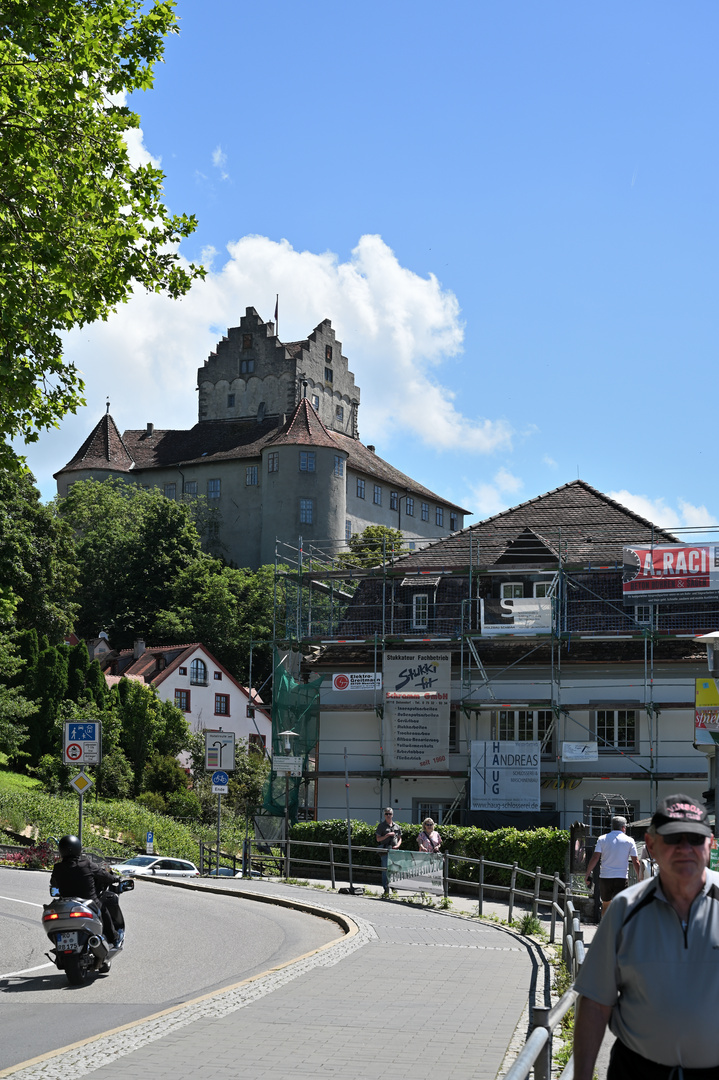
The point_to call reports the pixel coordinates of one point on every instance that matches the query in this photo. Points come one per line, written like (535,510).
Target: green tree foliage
(14,706)
(37,556)
(132,544)
(50,691)
(224,609)
(164,775)
(148,726)
(374,546)
(79,225)
(78,668)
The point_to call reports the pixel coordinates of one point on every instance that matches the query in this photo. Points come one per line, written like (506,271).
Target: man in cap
(615,849)
(653,966)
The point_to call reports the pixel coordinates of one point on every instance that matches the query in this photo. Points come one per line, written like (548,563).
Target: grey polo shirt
(662,978)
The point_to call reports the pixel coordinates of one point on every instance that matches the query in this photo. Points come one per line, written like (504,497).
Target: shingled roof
(104,448)
(304,428)
(575,522)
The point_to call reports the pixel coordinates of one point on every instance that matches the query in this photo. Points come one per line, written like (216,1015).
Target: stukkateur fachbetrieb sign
(416,700)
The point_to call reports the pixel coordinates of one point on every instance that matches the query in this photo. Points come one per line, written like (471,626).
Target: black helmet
(69,846)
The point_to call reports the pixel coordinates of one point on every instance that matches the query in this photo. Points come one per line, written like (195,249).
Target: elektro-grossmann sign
(669,571)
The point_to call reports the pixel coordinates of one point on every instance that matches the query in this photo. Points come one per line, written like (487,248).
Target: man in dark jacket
(76,875)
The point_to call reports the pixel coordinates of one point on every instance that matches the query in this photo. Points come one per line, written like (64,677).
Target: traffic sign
(82,742)
(149,843)
(220,789)
(220,778)
(219,750)
(287,766)
(81,783)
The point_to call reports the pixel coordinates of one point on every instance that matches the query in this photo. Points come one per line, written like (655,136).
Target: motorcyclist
(77,875)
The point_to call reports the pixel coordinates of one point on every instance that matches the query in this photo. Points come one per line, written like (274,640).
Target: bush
(164,775)
(184,804)
(115,777)
(529,849)
(152,801)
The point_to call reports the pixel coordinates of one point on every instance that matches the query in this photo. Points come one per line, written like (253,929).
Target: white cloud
(219,160)
(549,461)
(685,516)
(491,498)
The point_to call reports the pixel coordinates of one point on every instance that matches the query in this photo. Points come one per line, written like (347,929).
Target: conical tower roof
(102,449)
(304,428)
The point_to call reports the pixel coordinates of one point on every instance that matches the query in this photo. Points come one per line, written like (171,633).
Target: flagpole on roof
(277,314)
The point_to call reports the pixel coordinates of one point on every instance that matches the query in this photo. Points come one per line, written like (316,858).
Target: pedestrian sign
(82,742)
(81,783)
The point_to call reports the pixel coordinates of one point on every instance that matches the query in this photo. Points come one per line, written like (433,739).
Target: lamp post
(287,736)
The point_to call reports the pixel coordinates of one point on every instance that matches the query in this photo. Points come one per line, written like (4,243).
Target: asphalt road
(179,944)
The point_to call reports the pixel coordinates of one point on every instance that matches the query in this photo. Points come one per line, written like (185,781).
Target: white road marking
(12,974)
(16,901)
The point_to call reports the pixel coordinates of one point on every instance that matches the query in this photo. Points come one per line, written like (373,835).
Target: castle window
(316,402)
(213,489)
(425,511)
(348,529)
(307,461)
(393,503)
(439,516)
(453,522)
(247,341)
(328,353)
(306,511)
(247,367)
(328,374)
(273,461)
(410,507)
(339,465)
(190,487)
(230,401)
(251,476)
(360,488)
(377,495)
(339,414)
(170,490)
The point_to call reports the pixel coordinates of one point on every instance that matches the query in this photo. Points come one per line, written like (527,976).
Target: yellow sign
(81,783)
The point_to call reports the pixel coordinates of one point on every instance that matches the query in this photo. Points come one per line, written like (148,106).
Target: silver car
(157,866)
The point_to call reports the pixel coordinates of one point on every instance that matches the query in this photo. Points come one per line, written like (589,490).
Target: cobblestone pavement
(414,993)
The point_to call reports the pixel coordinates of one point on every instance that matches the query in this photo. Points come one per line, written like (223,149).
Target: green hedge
(529,849)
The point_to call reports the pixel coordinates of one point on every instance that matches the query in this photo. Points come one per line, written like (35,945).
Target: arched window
(198,673)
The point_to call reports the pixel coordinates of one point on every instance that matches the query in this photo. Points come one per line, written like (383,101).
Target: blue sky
(508,211)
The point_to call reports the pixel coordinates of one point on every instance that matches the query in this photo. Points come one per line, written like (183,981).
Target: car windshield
(140,860)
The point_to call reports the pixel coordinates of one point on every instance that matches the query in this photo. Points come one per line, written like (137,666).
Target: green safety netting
(295,707)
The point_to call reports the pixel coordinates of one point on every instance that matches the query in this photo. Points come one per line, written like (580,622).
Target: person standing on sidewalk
(653,966)
(429,839)
(388,836)
(615,849)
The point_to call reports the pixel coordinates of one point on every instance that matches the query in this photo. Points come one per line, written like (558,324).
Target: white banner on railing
(415,871)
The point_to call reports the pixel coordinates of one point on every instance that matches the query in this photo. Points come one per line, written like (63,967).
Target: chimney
(138,648)
(371,449)
(150,429)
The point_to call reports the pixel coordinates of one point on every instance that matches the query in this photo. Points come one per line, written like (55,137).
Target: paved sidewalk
(415,994)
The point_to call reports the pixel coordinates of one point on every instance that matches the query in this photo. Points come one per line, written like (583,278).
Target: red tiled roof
(304,428)
(104,448)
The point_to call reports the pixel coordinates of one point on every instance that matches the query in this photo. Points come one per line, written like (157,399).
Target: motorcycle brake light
(81,914)
(52,915)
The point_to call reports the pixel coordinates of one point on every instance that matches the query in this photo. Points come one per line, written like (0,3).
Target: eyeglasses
(388,815)
(694,838)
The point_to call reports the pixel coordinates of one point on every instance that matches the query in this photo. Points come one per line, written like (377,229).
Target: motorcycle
(75,928)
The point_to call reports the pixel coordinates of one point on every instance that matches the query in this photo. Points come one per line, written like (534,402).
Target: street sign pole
(219,806)
(79,827)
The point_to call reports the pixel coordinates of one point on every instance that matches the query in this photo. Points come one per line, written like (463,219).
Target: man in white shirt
(615,849)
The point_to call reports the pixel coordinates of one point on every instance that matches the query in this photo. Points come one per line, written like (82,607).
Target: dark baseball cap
(680,814)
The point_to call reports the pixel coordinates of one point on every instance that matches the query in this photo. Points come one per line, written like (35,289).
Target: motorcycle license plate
(67,942)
